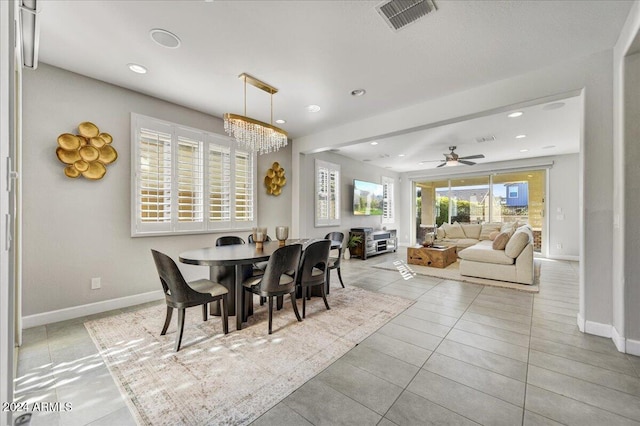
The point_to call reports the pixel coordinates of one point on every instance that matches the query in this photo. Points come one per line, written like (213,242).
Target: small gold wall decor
(87,153)
(275,179)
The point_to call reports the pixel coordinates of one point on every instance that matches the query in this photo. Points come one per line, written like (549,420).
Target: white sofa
(478,258)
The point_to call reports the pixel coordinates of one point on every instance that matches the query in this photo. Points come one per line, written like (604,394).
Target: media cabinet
(373,242)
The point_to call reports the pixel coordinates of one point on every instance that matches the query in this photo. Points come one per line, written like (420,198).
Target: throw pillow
(501,241)
(472,230)
(440,234)
(493,235)
(454,231)
(516,244)
(487,229)
(509,227)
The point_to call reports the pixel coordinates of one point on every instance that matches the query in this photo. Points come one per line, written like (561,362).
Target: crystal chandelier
(251,134)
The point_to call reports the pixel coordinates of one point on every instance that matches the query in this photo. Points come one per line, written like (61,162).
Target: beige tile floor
(462,354)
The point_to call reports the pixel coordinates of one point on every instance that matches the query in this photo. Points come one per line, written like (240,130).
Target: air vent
(399,13)
(482,139)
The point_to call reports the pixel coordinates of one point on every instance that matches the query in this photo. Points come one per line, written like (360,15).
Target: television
(367,198)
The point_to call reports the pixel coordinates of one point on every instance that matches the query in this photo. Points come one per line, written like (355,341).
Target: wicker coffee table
(431,256)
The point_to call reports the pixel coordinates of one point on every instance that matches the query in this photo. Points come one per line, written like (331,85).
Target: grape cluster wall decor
(275,179)
(87,153)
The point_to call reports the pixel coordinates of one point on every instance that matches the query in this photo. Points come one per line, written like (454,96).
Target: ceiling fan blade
(471,157)
(442,165)
(468,163)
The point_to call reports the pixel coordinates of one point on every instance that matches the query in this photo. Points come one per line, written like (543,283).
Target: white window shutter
(219,173)
(189,169)
(388,200)
(327,193)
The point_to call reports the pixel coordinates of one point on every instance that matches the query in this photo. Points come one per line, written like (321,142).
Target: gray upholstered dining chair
(334,262)
(275,282)
(180,295)
(228,240)
(313,271)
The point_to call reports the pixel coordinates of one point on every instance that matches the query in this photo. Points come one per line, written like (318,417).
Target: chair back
(336,236)
(250,239)
(175,287)
(282,260)
(228,240)
(316,255)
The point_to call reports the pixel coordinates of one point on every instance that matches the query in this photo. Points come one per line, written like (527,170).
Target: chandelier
(251,134)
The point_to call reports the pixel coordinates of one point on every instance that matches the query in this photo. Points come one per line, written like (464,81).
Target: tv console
(373,242)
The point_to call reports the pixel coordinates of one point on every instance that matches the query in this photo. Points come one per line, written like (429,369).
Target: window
(327,194)
(388,200)
(188,181)
(513,191)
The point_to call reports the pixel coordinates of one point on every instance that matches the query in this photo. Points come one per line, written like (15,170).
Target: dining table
(230,265)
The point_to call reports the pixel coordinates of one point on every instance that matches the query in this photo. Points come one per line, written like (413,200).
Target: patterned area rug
(232,379)
(452,272)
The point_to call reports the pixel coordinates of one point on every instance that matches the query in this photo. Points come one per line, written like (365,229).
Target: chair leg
(279,302)
(340,276)
(180,329)
(328,281)
(167,320)
(295,305)
(270,312)
(324,296)
(223,305)
(305,291)
(261,300)
(205,311)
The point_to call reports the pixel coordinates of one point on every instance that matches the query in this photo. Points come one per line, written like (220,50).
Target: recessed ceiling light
(521,136)
(281,121)
(139,69)
(358,92)
(420,163)
(529,175)
(312,108)
(401,155)
(555,105)
(524,150)
(165,38)
(515,114)
(374,143)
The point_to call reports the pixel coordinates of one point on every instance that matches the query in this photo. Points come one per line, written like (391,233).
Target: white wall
(75,229)
(350,170)
(591,75)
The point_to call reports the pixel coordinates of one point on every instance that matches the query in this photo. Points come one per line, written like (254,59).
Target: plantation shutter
(327,194)
(244,201)
(153,179)
(219,186)
(388,200)
(190,179)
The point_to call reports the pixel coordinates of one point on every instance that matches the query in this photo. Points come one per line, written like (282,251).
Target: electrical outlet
(95,283)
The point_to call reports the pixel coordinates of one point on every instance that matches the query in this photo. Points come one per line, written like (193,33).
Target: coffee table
(430,256)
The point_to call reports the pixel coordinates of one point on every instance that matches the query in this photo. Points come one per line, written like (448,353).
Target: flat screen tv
(367,198)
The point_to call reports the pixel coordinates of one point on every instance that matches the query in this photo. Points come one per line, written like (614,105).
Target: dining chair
(334,262)
(313,271)
(250,239)
(275,282)
(228,240)
(180,295)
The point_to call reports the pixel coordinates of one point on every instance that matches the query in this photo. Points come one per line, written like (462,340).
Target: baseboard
(633,347)
(580,322)
(564,257)
(598,329)
(89,309)
(618,340)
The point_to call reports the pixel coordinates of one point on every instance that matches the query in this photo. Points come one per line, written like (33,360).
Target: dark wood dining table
(231,265)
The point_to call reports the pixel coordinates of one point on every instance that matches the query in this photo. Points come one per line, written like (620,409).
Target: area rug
(452,272)
(233,378)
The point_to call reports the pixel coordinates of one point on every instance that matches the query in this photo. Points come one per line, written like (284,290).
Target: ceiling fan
(452,159)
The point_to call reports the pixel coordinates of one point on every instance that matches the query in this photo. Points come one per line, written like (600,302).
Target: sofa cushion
(487,229)
(501,240)
(518,242)
(472,230)
(440,234)
(493,235)
(484,252)
(509,227)
(453,231)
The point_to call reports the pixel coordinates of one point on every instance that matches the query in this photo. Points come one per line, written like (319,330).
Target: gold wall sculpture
(275,179)
(87,153)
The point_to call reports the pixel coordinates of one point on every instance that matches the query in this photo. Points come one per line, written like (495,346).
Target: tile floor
(462,354)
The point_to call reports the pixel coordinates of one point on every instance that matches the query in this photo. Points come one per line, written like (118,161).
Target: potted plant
(352,242)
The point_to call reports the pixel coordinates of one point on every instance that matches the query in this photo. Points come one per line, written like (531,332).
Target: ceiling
(317,52)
